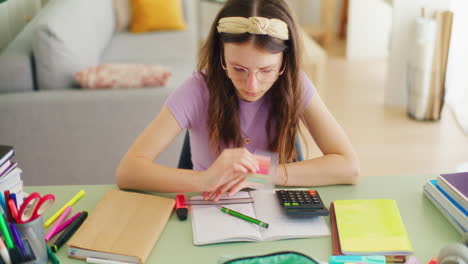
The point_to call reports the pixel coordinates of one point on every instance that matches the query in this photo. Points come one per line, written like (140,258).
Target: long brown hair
(286,92)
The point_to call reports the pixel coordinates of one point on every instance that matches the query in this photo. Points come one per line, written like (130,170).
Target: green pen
(243,217)
(6,233)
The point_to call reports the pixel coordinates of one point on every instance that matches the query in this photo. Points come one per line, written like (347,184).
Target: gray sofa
(64,135)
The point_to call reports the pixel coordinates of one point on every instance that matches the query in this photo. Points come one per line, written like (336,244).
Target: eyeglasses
(241,74)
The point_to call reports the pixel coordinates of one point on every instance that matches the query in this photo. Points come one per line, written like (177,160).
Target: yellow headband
(254,25)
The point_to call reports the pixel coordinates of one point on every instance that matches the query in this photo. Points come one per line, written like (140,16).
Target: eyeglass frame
(248,71)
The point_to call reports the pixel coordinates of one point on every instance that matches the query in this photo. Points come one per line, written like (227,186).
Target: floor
(387,141)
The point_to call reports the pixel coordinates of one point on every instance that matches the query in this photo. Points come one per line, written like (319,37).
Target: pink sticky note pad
(264,164)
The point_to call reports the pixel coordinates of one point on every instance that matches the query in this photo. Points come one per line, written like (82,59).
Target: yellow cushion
(151,15)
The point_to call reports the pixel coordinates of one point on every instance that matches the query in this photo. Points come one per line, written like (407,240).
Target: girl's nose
(252,82)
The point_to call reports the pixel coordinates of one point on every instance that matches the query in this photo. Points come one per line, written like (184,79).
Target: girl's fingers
(249,158)
(255,161)
(251,165)
(237,187)
(205,195)
(212,196)
(224,188)
(239,168)
(229,164)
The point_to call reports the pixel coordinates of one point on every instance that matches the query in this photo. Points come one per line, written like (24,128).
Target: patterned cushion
(73,37)
(123,76)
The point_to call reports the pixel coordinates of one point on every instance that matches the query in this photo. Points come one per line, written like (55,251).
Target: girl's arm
(138,171)
(339,163)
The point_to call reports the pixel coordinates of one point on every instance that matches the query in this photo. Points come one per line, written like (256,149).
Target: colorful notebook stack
(369,227)
(10,174)
(449,194)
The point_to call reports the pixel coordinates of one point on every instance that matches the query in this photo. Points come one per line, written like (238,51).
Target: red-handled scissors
(34,206)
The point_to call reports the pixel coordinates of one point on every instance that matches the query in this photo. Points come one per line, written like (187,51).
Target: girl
(248,94)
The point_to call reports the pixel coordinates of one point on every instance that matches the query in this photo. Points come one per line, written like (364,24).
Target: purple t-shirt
(189,105)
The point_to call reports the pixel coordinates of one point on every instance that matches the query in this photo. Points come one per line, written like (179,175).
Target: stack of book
(10,174)
(449,194)
(368,228)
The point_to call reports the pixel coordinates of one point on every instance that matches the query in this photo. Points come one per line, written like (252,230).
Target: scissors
(34,206)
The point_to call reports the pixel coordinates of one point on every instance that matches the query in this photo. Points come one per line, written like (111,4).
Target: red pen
(7,198)
(13,211)
(181,207)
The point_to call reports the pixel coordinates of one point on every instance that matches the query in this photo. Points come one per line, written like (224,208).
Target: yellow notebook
(124,226)
(371,227)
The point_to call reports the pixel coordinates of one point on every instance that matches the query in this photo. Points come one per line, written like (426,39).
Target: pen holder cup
(33,232)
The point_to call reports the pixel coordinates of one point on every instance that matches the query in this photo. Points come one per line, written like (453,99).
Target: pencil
(58,223)
(69,203)
(65,225)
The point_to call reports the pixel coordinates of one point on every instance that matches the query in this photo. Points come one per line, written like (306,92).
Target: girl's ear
(221,54)
(283,66)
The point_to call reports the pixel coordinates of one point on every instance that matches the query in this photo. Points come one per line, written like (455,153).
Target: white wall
(369,24)
(457,67)
(404,14)
(308,11)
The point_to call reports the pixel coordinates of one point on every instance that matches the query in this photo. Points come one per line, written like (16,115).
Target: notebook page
(282,226)
(210,225)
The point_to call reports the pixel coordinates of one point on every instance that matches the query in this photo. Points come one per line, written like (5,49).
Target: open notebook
(210,225)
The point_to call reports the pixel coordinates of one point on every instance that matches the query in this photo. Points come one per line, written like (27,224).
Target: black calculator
(301,202)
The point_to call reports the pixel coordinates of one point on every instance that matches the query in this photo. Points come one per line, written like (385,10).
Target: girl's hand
(231,187)
(229,169)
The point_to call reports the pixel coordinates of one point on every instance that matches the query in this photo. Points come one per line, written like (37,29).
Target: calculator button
(312,192)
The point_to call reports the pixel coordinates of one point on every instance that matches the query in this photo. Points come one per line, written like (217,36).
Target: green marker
(52,256)
(243,217)
(6,233)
